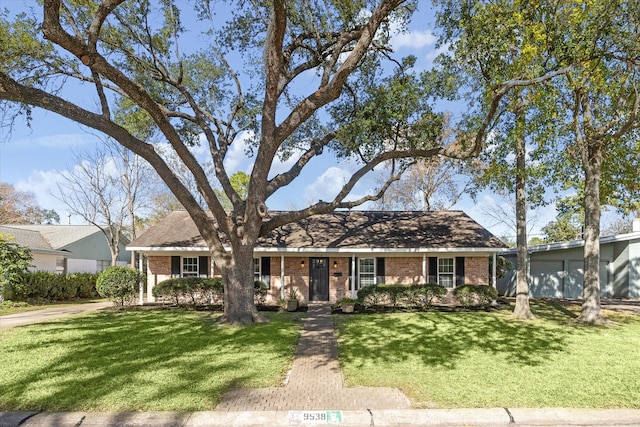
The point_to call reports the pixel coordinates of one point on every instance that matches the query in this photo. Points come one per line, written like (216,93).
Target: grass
(14,307)
(140,360)
(485,359)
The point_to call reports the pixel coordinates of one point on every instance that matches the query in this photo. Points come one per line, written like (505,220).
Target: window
(189,266)
(257,275)
(367,271)
(445,272)
(101,264)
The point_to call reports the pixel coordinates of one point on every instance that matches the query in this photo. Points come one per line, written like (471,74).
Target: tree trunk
(237,274)
(591,312)
(522,309)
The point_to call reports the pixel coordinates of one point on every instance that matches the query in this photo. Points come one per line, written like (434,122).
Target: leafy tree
(21,207)
(240,183)
(493,42)
(14,261)
(151,82)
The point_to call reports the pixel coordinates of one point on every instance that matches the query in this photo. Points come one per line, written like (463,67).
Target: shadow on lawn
(140,361)
(441,339)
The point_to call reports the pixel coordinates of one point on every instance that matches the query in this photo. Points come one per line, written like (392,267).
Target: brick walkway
(315,380)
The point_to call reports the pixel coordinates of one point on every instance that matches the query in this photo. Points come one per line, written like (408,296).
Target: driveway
(36,316)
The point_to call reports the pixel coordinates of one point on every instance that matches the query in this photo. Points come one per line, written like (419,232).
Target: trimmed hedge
(46,286)
(119,284)
(201,290)
(424,296)
(416,295)
(475,295)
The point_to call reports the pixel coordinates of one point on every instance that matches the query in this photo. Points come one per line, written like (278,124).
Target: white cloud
(413,40)
(59,141)
(327,185)
(237,159)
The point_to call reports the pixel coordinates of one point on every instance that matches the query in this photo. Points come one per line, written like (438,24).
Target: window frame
(189,273)
(257,274)
(450,275)
(369,276)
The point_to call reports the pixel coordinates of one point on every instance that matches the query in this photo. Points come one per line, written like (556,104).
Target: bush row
(46,286)
(201,290)
(423,295)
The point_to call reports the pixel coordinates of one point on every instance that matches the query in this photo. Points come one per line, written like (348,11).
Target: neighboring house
(327,257)
(85,247)
(45,258)
(556,269)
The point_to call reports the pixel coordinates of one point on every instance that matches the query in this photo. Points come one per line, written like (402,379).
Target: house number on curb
(315,417)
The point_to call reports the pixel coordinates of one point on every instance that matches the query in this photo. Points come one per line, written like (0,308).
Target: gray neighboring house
(556,269)
(77,248)
(45,258)
(327,257)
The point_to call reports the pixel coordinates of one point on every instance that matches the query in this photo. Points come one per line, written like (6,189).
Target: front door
(319,278)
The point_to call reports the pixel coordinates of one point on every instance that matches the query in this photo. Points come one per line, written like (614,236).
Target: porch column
(353,276)
(150,297)
(282,276)
(140,285)
(424,269)
(495,270)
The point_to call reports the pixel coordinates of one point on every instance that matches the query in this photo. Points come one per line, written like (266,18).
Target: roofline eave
(321,250)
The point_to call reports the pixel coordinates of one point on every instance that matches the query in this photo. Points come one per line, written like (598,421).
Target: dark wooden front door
(319,278)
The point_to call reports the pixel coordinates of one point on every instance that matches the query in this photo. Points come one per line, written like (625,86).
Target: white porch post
(495,270)
(353,276)
(140,285)
(424,268)
(150,278)
(282,276)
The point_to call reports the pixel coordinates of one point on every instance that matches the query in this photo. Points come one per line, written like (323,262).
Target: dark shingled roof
(343,229)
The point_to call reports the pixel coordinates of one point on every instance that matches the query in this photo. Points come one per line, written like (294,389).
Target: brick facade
(398,270)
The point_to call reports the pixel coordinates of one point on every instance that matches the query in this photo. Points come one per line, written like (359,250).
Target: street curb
(478,417)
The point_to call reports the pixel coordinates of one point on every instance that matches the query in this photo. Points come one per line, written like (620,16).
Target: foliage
(475,295)
(152,80)
(119,284)
(47,286)
(292,295)
(416,295)
(21,207)
(192,290)
(201,290)
(15,260)
(140,360)
(440,359)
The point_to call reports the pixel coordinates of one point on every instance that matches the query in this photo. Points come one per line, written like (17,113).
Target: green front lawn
(489,360)
(140,360)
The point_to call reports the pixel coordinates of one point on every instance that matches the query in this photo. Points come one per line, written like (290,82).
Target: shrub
(419,296)
(47,286)
(475,295)
(426,295)
(259,292)
(119,284)
(192,290)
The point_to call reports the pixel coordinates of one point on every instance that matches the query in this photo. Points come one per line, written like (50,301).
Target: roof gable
(342,230)
(61,236)
(31,239)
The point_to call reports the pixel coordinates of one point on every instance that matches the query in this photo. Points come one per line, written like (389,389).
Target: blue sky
(32,159)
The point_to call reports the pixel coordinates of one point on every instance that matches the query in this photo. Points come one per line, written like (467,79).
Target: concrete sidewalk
(390,417)
(37,316)
(315,381)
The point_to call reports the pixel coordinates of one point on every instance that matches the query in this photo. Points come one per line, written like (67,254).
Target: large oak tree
(270,68)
